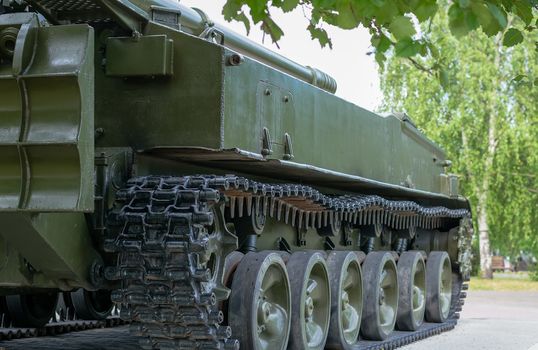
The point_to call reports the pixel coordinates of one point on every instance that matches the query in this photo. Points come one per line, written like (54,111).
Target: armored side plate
(46,117)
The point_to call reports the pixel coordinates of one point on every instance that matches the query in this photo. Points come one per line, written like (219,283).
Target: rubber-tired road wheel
(346,300)
(412,298)
(438,287)
(260,302)
(380,281)
(311,301)
(32,310)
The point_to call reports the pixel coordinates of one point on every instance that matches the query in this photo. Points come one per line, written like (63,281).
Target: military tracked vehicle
(217,192)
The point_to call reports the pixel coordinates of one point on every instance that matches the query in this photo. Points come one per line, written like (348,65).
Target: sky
(348,62)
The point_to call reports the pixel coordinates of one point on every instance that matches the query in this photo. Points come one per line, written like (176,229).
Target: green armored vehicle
(218,193)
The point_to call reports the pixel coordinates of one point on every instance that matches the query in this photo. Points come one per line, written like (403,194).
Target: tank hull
(108,126)
(228,107)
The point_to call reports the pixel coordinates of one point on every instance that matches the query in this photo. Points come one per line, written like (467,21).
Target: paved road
(492,321)
(97,339)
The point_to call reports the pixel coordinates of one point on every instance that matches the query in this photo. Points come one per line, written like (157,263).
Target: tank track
(57,328)
(161,230)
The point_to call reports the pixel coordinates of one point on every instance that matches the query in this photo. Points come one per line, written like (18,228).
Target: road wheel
(95,305)
(259,307)
(412,298)
(32,310)
(438,287)
(380,281)
(311,301)
(346,304)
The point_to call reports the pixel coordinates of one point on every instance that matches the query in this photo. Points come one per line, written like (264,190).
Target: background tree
(486,115)
(391,22)
(488,122)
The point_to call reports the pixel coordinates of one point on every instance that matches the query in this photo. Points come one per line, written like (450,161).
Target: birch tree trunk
(483,195)
(483,235)
(483,192)
(485,120)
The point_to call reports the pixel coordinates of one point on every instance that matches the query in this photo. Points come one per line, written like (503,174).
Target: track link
(170,240)
(166,258)
(56,328)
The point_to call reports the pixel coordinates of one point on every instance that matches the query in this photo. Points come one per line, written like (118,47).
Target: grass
(504,283)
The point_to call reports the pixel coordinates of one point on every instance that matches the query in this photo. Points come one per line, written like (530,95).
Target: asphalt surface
(490,320)
(97,339)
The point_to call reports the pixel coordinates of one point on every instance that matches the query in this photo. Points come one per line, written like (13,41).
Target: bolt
(235,59)
(267,92)
(99,132)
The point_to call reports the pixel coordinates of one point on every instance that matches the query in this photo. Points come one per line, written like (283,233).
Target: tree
(486,113)
(392,22)
(487,120)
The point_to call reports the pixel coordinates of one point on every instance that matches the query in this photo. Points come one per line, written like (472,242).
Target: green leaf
(270,27)
(443,78)
(536,82)
(320,35)
(498,14)
(524,10)
(425,10)
(461,21)
(380,59)
(519,77)
(232,10)
(407,48)
(289,5)
(464,3)
(512,37)
(434,51)
(383,15)
(402,27)
(489,24)
(378,3)
(423,50)
(381,43)
(346,18)
(241,17)
(258,10)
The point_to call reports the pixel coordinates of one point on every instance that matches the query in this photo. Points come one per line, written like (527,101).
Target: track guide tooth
(249,205)
(280,205)
(287,214)
(232,206)
(240,202)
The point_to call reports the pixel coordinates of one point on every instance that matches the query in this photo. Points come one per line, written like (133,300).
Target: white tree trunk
(483,226)
(483,235)
(483,196)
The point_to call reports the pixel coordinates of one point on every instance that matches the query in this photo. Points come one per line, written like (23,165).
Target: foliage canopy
(486,120)
(395,23)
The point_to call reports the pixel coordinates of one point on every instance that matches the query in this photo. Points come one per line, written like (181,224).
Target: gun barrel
(196,22)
